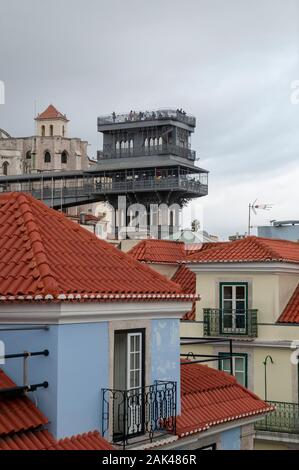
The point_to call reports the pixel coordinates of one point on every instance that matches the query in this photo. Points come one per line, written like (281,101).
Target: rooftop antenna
(254,207)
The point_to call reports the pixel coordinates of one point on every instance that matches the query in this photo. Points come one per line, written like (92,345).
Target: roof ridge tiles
(59,260)
(249,249)
(259,242)
(40,256)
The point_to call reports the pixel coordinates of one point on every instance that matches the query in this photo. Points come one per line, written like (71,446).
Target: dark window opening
(5,168)
(47,157)
(64,157)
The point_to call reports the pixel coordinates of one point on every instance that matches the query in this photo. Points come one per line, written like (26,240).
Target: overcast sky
(228,62)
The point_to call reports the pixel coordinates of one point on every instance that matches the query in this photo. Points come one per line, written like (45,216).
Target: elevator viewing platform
(146,157)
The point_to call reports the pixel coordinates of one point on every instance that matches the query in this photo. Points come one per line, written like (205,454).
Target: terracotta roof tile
(43,253)
(17,413)
(88,441)
(30,440)
(249,249)
(51,113)
(187,280)
(291,311)
(210,397)
(159,251)
(22,427)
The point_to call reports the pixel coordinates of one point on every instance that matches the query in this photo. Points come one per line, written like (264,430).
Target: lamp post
(265,366)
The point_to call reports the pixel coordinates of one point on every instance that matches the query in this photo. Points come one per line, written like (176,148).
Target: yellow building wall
(268,445)
(282,378)
(268,293)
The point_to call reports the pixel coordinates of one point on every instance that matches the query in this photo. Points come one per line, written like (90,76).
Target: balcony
(219,322)
(153,115)
(285,419)
(144,413)
(165,149)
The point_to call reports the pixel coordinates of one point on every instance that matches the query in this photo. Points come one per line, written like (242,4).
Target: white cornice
(51,314)
(266,267)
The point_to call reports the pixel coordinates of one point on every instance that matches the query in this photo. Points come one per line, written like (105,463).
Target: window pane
(239,364)
(132,361)
(137,343)
(137,360)
(240,305)
(227,319)
(131,379)
(240,292)
(227,305)
(226,365)
(240,376)
(227,292)
(137,384)
(132,343)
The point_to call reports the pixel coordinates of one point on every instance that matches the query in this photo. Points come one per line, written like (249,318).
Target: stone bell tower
(52,123)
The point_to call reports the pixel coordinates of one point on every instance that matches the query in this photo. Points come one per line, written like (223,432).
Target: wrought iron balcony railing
(165,149)
(221,322)
(153,115)
(284,419)
(146,411)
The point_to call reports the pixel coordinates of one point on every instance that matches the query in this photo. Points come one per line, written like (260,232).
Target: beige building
(249,293)
(50,149)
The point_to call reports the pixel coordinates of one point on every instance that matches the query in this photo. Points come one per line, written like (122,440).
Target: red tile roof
(211,397)
(187,280)
(22,427)
(158,251)
(29,440)
(43,255)
(88,441)
(291,311)
(51,113)
(17,413)
(249,249)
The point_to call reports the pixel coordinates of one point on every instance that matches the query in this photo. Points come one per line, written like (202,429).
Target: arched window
(5,168)
(43,131)
(146,142)
(160,141)
(122,144)
(28,155)
(151,142)
(51,130)
(131,144)
(64,156)
(126,144)
(47,157)
(117,145)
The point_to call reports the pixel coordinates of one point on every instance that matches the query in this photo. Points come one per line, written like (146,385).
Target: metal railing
(142,411)
(153,115)
(222,322)
(165,149)
(284,419)
(96,186)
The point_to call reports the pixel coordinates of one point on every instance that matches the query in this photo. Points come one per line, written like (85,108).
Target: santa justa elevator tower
(147,158)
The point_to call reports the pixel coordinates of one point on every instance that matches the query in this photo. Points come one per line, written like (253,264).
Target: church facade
(50,149)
